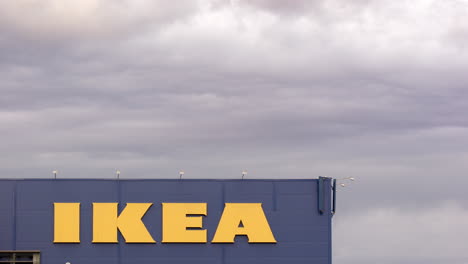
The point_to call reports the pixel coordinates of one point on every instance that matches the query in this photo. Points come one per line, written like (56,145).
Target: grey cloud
(61,20)
(400,236)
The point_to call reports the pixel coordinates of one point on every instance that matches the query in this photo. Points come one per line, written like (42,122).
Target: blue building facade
(299,213)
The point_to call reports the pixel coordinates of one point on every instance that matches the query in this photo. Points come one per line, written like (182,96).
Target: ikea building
(148,221)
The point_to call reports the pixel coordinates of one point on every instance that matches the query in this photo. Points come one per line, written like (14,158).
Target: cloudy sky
(375,90)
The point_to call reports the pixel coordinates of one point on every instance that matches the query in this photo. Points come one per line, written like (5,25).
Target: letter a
(254,224)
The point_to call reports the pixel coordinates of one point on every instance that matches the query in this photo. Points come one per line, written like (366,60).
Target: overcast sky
(376,90)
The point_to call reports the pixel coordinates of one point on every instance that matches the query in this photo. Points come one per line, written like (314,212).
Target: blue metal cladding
(303,234)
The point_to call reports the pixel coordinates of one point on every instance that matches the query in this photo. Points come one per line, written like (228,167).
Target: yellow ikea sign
(181,223)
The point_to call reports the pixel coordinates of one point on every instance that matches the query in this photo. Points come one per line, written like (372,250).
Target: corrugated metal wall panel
(303,235)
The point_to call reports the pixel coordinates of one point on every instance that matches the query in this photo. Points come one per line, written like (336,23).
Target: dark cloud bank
(370,89)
